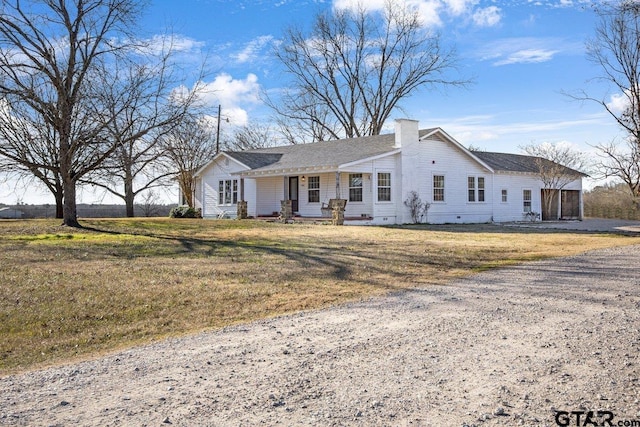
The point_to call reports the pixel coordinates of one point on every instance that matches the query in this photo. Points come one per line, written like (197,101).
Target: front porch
(318,220)
(308,195)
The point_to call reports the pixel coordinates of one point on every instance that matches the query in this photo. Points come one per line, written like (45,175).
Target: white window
(227,192)
(384,186)
(438,188)
(504,195)
(314,189)
(475,192)
(481,188)
(526,197)
(355,187)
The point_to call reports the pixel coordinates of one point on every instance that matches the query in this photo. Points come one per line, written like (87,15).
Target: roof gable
(437,134)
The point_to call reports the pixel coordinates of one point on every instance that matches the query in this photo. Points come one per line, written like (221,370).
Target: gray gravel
(506,347)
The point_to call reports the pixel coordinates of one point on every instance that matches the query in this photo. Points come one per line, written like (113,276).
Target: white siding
(386,212)
(515,184)
(269,193)
(363,208)
(207,187)
(327,192)
(434,157)
(411,170)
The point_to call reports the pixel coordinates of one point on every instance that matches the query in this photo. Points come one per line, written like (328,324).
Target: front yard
(68,293)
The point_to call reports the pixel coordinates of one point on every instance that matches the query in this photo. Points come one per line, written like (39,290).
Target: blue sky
(521,54)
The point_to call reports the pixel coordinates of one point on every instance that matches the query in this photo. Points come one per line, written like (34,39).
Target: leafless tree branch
(354,68)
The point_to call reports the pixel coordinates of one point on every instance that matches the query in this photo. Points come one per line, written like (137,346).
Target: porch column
(337,212)
(337,185)
(286,211)
(241,207)
(285,186)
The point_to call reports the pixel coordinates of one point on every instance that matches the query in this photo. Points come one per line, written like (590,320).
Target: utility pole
(218,132)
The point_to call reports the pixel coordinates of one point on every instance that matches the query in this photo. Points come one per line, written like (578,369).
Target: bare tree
(312,123)
(253,136)
(622,163)
(29,143)
(150,204)
(56,59)
(187,147)
(615,49)
(353,69)
(558,165)
(137,127)
(610,200)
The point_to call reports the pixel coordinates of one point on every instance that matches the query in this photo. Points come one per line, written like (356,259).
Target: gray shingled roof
(319,154)
(331,154)
(507,162)
(514,162)
(253,159)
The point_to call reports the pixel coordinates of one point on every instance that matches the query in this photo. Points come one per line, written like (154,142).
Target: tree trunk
(70,214)
(59,204)
(187,187)
(129,196)
(550,204)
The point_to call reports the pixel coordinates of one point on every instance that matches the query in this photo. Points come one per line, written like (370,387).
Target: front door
(293,192)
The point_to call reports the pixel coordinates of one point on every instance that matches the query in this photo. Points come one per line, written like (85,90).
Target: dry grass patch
(68,293)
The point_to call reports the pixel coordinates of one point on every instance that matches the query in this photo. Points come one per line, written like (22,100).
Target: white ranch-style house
(376,174)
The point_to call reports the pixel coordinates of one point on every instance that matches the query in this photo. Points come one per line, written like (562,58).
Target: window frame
(355,190)
(525,201)
(476,189)
(440,189)
(227,192)
(504,195)
(471,189)
(386,187)
(481,189)
(313,188)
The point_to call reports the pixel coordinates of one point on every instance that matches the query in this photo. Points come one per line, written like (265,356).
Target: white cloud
(618,103)
(460,7)
(527,56)
(490,128)
(177,43)
(233,95)
(250,51)
(355,4)
(433,13)
(429,12)
(487,17)
(525,50)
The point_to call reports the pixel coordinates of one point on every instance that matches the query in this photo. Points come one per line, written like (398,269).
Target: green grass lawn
(67,294)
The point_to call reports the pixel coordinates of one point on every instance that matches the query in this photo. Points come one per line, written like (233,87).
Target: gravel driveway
(623,226)
(519,346)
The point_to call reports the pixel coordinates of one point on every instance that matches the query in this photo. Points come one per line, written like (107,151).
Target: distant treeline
(607,201)
(93,211)
(610,201)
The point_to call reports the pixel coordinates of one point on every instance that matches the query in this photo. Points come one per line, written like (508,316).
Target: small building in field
(11,213)
(376,175)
